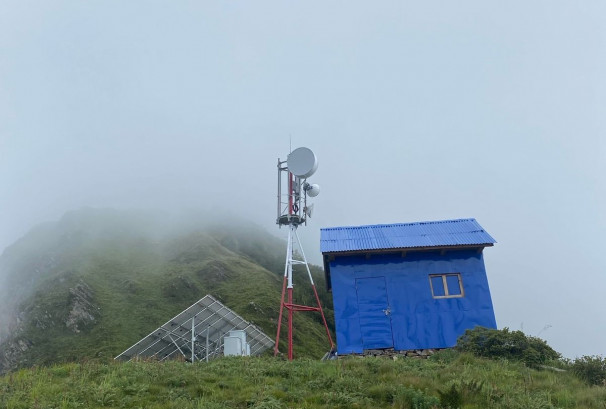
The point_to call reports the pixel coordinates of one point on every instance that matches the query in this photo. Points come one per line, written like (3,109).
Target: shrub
(445,356)
(512,345)
(591,369)
(409,398)
(451,398)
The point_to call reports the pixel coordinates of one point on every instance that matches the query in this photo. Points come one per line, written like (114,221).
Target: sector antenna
(293,211)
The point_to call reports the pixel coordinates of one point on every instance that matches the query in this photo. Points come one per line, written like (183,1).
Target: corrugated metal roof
(459,232)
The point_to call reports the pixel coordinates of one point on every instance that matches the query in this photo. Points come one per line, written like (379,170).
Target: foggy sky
(416,110)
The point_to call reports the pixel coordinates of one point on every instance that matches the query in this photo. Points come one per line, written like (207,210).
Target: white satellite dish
(309,210)
(312,190)
(302,162)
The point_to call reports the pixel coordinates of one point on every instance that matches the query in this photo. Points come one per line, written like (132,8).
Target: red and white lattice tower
(293,212)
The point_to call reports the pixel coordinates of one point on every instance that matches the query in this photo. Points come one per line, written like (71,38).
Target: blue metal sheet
(404,235)
(417,319)
(373,305)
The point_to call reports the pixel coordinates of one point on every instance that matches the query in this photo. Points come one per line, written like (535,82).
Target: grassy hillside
(448,379)
(78,292)
(97,281)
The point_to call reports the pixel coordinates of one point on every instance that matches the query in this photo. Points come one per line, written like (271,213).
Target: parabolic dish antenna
(312,190)
(302,162)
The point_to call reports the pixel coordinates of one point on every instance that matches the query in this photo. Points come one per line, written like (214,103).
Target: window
(446,285)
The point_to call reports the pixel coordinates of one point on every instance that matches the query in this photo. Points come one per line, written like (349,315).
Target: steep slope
(92,284)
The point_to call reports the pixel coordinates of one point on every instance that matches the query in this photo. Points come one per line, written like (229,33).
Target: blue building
(407,286)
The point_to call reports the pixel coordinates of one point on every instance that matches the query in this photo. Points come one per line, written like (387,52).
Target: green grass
(140,279)
(275,383)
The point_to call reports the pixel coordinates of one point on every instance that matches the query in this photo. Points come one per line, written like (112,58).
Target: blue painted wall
(417,319)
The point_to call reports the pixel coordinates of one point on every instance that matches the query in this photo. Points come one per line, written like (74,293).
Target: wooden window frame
(445,284)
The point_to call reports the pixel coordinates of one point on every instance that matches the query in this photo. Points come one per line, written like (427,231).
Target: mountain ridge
(95,282)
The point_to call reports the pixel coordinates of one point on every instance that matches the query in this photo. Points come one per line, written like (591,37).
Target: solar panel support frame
(176,338)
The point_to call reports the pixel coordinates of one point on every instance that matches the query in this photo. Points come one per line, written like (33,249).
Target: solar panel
(197,334)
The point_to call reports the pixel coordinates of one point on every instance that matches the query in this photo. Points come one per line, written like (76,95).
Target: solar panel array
(197,334)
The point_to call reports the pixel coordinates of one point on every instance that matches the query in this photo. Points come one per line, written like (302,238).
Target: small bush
(591,369)
(409,398)
(451,398)
(382,392)
(445,356)
(268,402)
(512,345)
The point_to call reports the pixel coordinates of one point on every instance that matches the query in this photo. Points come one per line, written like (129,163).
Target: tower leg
(332,345)
(290,317)
(287,292)
(313,285)
(287,268)
(280,317)
(289,287)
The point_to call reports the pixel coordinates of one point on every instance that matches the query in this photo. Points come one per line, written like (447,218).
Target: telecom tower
(293,212)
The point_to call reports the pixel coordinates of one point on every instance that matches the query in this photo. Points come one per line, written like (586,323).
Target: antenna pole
(279,190)
(290,193)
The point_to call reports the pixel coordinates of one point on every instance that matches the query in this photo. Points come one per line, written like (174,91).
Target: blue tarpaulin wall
(386,301)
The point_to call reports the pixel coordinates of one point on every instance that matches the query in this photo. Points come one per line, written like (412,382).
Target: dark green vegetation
(97,281)
(448,379)
(592,369)
(532,351)
(505,344)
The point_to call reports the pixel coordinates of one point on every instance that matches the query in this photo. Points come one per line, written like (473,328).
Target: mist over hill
(93,283)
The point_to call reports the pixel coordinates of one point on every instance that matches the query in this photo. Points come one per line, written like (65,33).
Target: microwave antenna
(293,211)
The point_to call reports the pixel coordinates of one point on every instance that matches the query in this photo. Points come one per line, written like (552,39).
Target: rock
(393,354)
(82,311)
(12,352)
(23,346)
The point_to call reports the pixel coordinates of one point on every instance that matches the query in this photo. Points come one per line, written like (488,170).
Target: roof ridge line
(401,224)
